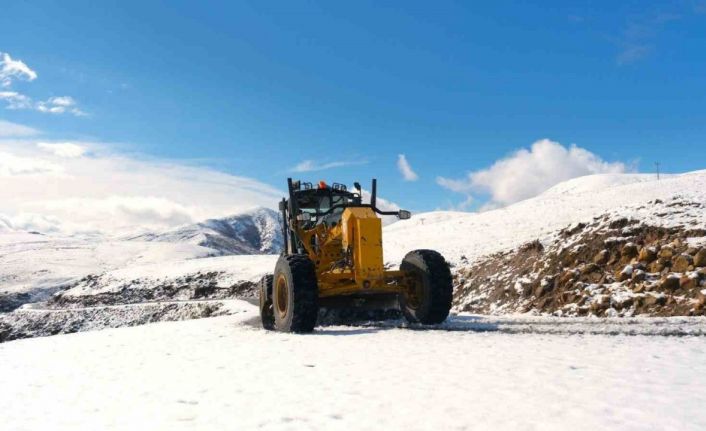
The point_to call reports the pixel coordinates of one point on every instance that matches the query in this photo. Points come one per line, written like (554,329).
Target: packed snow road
(474,373)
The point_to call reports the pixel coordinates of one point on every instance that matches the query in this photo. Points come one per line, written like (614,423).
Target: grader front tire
(295,294)
(428,299)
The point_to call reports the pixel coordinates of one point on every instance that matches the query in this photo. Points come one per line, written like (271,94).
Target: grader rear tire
(295,294)
(267,314)
(428,301)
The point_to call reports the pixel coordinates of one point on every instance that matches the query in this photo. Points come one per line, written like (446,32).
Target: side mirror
(404,215)
(304,217)
(282,205)
(356,185)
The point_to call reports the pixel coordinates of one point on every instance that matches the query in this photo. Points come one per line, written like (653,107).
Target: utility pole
(657,166)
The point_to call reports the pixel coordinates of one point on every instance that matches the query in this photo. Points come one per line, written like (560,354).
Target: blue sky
(256,88)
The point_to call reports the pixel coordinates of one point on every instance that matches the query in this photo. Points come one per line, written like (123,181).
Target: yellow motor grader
(333,255)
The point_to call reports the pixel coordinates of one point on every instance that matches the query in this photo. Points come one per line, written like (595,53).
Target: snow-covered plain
(225,373)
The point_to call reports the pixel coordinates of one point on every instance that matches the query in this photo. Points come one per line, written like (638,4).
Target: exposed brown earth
(203,285)
(609,267)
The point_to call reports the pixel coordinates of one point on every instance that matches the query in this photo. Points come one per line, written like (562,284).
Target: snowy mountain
(257,231)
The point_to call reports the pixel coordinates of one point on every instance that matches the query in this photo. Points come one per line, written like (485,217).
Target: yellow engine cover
(362,233)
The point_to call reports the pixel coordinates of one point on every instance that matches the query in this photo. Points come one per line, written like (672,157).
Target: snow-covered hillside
(472,235)
(33,266)
(258,231)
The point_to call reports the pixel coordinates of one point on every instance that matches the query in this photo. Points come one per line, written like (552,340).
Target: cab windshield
(318,204)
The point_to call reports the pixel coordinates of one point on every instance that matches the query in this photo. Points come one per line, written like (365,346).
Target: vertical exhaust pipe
(374,193)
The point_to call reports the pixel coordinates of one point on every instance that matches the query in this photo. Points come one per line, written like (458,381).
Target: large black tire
(429,300)
(267,314)
(295,294)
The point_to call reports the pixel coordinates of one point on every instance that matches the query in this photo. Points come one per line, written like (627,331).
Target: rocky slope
(648,259)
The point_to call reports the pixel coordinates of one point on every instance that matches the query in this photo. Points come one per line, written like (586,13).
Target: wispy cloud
(632,53)
(59,105)
(406,169)
(12,70)
(63,149)
(312,166)
(637,40)
(15,100)
(13,130)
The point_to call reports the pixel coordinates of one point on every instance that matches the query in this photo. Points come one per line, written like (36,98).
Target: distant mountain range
(258,231)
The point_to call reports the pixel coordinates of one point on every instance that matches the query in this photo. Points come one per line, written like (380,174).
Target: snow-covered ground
(33,261)
(224,373)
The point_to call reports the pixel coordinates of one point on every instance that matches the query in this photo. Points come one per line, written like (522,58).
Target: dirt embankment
(96,290)
(610,267)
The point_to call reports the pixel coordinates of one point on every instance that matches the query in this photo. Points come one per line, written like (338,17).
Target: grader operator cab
(333,255)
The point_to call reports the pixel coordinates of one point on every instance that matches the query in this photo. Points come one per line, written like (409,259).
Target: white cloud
(12,165)
(405,169)
(113,193)
(59,105)
(11,70)
(63,101)
(14,69)
(311,166)
(15,100)
(526,173)
(63,149)
(147,211)
(53,105)
(13,130)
